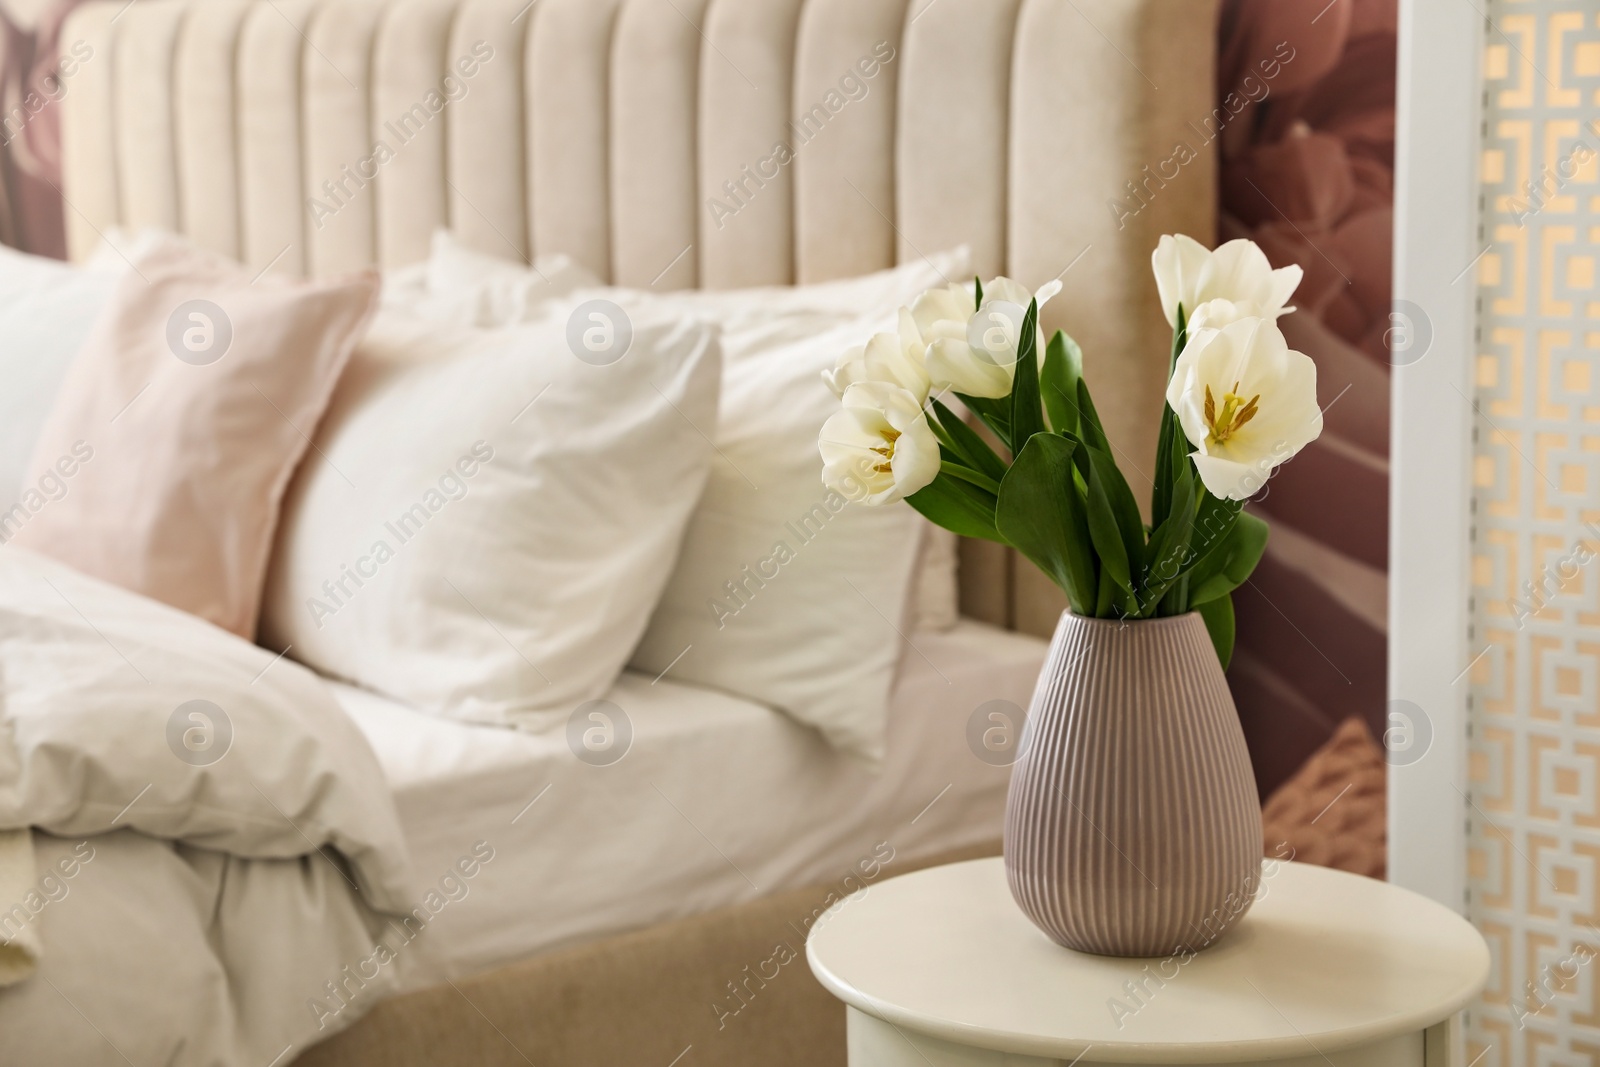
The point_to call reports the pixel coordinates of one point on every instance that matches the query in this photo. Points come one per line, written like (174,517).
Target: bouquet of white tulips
(1239,403)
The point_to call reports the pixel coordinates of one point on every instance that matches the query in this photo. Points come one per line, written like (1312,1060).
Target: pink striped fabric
(1132,827)
(1307,172)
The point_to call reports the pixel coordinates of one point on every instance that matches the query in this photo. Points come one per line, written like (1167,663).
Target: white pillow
(486,521)
(784,592)
(822,638)
(46,310)
(460,285)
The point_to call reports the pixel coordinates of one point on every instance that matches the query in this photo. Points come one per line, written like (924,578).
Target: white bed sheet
(717,801)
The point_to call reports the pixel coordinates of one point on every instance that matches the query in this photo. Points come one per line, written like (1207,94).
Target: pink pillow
(163,463)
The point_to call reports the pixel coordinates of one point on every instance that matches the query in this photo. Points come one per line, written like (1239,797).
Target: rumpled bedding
(215,851)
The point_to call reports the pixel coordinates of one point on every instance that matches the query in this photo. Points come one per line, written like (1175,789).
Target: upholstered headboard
(677,143)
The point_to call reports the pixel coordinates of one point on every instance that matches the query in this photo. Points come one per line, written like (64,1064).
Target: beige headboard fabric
(642,137)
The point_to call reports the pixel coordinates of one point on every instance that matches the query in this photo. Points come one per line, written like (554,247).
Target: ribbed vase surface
(1132,824)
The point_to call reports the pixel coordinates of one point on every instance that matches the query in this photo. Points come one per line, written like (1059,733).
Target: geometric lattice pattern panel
(1534,789)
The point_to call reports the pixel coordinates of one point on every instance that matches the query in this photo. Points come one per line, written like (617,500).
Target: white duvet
(215,853)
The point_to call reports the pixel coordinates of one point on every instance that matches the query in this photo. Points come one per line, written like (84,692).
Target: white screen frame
(1437,245)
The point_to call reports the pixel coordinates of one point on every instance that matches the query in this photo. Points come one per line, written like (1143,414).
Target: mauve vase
(1132,826)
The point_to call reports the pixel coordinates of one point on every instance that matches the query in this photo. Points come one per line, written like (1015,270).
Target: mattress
(520,846)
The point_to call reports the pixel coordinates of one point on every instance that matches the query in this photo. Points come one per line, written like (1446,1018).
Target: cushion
(492,518)
(459,285)
(1332,812)
(782,593)
(46,310)
(179,423)
(786,593)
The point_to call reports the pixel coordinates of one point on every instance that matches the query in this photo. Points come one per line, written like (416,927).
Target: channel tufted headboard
(676,143)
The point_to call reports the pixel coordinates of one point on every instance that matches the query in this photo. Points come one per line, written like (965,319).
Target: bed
(651,837)
(636,137)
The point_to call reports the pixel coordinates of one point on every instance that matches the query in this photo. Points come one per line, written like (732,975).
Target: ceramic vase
(1132,826)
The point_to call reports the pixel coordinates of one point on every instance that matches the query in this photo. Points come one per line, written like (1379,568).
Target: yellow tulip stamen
(1236,411)
(890,435)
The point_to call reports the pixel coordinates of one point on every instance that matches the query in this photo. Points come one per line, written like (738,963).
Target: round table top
(1323,960)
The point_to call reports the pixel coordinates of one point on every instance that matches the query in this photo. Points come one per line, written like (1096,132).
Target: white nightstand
(939,968)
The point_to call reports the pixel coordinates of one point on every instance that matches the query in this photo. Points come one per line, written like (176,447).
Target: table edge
(1148,1052)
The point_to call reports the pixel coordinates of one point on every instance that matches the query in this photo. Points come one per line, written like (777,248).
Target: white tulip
(1215,314)
(1237,273)
(887,357)
(973,350)
(943,312)
(1247,402)
(878,448)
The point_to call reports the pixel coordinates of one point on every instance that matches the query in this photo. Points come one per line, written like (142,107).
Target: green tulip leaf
(971,477)
(1213,523)
(1089,428)
(1218,617)
(1105,535)
(1041,513)
(1124,508)
(1161,491)
(958,506)
(966,442)
(995,414)
(1027,418)
(1063,369)
(1237,558)
(1167,555)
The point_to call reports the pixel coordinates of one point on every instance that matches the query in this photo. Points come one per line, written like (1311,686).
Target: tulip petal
(1178,262)
(936,308)
(1002,288)
(954,364)
(1229,479)
(1285,280)
(916,459)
